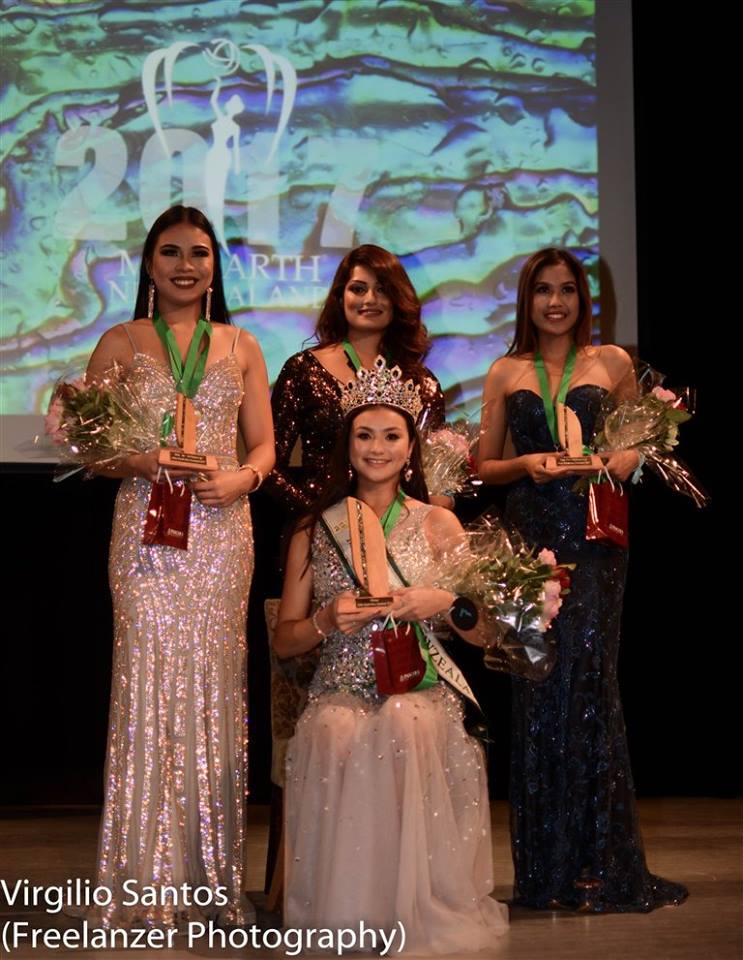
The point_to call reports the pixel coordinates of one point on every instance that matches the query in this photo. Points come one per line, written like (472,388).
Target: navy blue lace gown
(572,798)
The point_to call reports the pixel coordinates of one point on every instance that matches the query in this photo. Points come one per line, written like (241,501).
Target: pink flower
(667,396)
(53,426)
(548,557)
(550,609)
(552,589)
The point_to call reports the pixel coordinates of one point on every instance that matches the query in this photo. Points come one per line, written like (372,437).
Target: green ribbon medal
(562,391)
(388,520)
(353,356)
(188,375)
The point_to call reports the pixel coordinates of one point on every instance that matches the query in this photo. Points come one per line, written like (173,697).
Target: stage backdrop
(461,136)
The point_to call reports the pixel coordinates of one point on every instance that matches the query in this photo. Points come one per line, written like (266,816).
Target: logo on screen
(223,154)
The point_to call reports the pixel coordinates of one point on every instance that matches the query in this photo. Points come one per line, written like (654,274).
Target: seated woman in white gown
(387,815)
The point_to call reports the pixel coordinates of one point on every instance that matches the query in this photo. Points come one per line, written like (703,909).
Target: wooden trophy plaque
(185,455)
(369,555)
(570,435)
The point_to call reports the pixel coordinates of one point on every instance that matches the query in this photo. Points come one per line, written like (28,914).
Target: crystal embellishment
(382,385)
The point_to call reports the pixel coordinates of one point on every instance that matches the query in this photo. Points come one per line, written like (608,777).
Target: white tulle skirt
(388,822)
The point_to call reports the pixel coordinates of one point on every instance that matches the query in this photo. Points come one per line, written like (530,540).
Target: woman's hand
(420,603)
(622,464)
(535,465)
(148,466)
(347,622)
(221,488)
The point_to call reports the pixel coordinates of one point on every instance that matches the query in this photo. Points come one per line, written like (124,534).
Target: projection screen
(460,135)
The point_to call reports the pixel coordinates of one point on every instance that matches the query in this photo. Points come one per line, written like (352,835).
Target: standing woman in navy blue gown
(575,836)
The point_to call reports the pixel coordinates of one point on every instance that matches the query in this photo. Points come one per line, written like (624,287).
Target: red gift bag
(608,514)
(168,515)
(398,663)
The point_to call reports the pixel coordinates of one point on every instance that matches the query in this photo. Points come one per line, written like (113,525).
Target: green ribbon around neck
(188,375)
(388,520)
(562,390)
(353,356)
(392,514)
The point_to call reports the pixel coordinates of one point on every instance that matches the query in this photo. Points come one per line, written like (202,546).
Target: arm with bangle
(258,476)
(298,630)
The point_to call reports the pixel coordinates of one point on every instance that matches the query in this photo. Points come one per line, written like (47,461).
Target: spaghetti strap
(234,342)
(131,338)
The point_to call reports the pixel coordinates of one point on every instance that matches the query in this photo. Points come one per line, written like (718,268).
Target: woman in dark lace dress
(371,309)
(575,836)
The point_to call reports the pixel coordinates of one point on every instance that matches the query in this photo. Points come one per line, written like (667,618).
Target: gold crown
(382,385)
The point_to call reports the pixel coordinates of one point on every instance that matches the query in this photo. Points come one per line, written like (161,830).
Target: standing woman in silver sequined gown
(387,815)
(176,761)
(371,308)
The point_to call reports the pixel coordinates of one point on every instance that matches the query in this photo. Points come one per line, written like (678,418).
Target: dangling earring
(151,300)
(350,473)
(208,308)
(408,471)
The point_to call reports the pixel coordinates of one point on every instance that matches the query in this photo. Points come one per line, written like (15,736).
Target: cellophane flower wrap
(94,423)
(448,462)
(518,593)
(646,418)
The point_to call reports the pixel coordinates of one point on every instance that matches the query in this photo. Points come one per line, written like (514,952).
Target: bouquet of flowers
(92,424)
(648,422)
(448,464)
(518,593)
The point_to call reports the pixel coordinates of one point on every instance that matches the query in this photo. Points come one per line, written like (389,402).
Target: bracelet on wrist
(315,623)
(256,471)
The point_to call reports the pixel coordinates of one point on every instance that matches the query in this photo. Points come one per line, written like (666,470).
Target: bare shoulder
(116,343)
(247,347)
(442,520)
(502,373)
(443,530)
(115,346)
(117,334)
(412,506)
(615,359)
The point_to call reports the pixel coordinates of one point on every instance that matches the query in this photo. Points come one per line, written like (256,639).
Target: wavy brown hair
(194,217)
(525,336)
(406,340)
(339,485)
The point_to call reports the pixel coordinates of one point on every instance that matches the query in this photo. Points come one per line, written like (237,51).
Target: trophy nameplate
(369,556)
(570,435)
(185,455)
(365,602)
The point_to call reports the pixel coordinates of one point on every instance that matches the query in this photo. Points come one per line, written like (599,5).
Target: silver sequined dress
(387,817)
(177,739)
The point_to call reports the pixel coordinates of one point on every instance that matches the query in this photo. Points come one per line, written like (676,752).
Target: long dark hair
(172,217)
(339,485)
(525,336)
(406,340)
